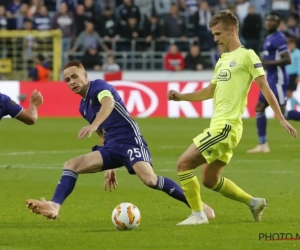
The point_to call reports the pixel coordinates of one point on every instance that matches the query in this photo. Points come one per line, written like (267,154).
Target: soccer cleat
(259,207)
(49,209)
(261,148)
(194,219)
(210,213)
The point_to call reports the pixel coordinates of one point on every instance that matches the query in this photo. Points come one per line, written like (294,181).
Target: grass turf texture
(31,160)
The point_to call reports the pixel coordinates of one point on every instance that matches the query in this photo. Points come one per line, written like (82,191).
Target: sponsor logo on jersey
(257,65)
(232,64)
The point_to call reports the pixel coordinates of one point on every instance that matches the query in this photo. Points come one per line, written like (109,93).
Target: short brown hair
(226,17)
(74,63)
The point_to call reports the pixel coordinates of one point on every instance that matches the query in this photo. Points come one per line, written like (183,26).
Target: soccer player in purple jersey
(28,116)
(275,57)
(124,145)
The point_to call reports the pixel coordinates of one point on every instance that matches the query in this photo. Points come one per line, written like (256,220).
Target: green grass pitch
(31,159)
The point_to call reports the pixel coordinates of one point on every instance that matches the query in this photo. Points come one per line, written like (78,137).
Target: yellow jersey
(233,75)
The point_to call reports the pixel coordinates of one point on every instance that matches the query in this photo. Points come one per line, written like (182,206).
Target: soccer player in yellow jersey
(212,149)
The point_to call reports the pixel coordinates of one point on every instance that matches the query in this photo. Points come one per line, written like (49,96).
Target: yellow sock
(191,189)
(230,190)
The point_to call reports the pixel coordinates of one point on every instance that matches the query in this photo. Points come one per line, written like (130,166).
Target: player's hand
(36,98)
(288,127)
(110,180)
(173,95)
(88,130)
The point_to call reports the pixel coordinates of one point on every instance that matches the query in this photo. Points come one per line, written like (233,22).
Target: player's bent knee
(150,182)
(146,174)
(260,107)
(74,165)
(70,165)
(181,166)
(209,183)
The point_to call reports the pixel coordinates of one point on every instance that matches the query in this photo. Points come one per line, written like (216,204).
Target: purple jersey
(119,125)
(274,45)
(123,144)
(8,107)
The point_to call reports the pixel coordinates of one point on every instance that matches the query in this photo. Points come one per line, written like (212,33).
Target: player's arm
(255,68)
(29,116)
(200,95)
(285,59)
(262,83)
(257,72)
(282,48)
(106,99)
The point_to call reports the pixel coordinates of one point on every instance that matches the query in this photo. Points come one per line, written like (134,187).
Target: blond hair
(74,63)
(225,17)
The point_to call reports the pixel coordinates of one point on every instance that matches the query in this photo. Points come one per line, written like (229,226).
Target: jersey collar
(87,91)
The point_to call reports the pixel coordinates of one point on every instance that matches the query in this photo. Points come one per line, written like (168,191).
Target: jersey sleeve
(104,93)
(281,44)
(254,64)
(11,108)
(101,89)
(214,79)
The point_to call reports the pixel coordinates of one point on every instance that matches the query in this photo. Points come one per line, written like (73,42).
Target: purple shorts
(121,153)
(279,92)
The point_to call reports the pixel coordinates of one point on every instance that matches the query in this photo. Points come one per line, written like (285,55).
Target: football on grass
(126,216)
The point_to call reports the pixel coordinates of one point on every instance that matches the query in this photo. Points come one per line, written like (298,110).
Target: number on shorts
(134,153)
(206,137)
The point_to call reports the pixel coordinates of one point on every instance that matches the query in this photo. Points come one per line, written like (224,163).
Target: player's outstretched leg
(211,178)
(261,125)
(89,163)
(145,172)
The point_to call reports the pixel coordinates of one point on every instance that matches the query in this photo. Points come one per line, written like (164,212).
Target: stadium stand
(131,34)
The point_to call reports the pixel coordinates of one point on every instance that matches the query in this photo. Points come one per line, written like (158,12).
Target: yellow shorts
(217,142)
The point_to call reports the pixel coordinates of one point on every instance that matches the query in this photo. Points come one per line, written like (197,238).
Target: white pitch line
(66,151)
(43,152)
(57,166)
(172,147)
(163,147)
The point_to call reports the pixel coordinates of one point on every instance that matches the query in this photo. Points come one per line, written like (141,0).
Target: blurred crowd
(178,28)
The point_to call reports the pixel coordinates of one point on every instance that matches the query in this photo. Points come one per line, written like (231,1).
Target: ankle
(252,202)
(199,213)
(57,205)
